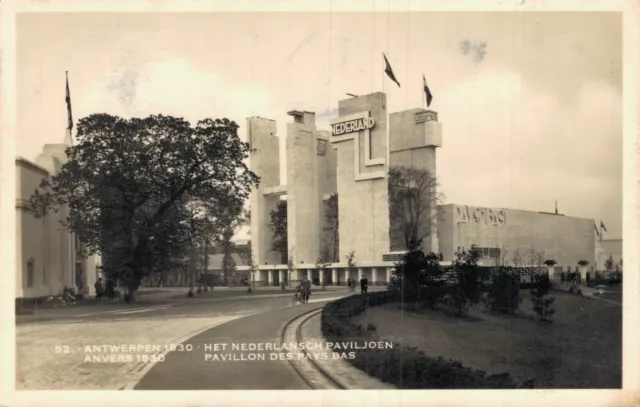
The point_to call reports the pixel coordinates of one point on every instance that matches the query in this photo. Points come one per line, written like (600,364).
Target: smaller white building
(48,257)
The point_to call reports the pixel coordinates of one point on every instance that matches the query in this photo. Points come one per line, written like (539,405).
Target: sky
(531,117)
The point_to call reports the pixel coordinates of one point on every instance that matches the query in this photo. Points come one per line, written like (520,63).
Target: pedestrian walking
(110,289)
(365,286)
(99,289)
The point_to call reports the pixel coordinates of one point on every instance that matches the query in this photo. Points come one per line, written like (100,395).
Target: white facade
(47,258)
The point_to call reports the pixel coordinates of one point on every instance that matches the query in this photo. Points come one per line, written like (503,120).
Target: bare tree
(413,196)
(253,267)
(278,226)
(322,263)
(539,258)
(351,264)
(291,265)
(517,259)
(332,221)
(502,259)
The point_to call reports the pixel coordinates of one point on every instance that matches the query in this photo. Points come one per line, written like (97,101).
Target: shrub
(504,294)
(404,367)
(467,288)
(542,302)
(419,278)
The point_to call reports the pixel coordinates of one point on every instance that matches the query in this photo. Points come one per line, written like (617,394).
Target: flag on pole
(389,71)
(596,228)
(427,92)
(602,226)
(68,100)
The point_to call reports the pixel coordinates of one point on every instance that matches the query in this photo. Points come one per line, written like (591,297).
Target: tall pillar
(264,160)
(416,135)
(360,137)
(303,196)
(374,275)
(388,274)
(281,275)
(334,276)
(270,277)
(321,276)
(360,273)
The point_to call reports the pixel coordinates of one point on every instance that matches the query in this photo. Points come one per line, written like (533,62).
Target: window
(489,252)
(30,271)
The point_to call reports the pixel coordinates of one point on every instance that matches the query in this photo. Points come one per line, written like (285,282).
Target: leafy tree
(129,182)
(609,263)
(332,221)
(228,247)
(229,267)
(542,302)
(467,288)
(278,225)
(424,278)
(412,197)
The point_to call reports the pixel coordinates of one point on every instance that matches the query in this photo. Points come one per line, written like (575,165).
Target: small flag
(389,71)
(602,226)
(597,232)
(427,92)
(68,100)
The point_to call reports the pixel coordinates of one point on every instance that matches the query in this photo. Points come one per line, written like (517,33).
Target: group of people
(364,284)
(108,289)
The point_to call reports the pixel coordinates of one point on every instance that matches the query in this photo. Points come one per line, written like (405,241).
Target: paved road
(40,337)
(218,303)
(188,370)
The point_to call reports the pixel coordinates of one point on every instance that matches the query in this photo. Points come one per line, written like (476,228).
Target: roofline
(21,161)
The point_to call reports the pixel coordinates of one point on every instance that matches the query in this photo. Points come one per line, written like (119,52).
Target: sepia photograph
(385,198)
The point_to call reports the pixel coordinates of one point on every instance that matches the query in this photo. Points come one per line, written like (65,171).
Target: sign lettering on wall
(352,126)
(486,216)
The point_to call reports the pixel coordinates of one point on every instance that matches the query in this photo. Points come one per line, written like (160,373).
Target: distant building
(502,233)
(355,161)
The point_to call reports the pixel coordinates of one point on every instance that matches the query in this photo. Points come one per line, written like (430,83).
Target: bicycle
(297,297)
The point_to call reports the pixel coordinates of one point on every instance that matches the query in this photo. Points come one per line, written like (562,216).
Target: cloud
(506,144)
(174,87)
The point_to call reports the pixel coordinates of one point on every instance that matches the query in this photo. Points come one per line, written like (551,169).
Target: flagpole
(422,96)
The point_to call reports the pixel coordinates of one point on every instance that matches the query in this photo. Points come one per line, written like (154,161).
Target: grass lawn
(582,348)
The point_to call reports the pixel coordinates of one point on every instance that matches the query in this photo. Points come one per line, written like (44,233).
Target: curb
(349,377)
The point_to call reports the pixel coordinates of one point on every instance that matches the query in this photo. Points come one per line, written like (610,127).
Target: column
(374,276)
(360,273)
(281,275)
(388,274)
(270,277)
(334,276)
(321,275)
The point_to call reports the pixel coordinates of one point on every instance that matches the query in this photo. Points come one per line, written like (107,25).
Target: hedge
(405,367)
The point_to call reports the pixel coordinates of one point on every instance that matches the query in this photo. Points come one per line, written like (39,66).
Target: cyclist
(305,289)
